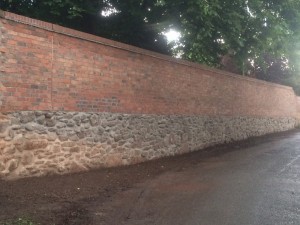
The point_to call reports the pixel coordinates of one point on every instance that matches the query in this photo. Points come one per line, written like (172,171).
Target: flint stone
(26,117)
(94,120)
(50,122)
(7,138)
(35,144)
(51,136)
(4,124)
(41,119)
(63,137)
(49,115)
(77,119)
(2,167)
(38,113)
(13,165)
(16,127)
(70,123)
(60,125)
(27,158)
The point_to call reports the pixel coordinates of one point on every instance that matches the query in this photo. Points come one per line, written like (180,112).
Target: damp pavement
(256,182)
(257,185)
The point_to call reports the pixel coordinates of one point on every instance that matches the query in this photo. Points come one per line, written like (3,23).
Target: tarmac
(257,185)
(255,182)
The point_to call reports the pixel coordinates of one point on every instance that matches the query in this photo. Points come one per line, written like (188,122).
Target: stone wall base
(36,143)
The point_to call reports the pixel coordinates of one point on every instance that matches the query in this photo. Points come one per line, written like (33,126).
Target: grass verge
(19,221)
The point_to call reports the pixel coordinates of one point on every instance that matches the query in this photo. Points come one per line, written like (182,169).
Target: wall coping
(125,47)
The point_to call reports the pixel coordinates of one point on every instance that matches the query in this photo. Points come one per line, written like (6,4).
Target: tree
(244,29)
(56,11)
(128,22)
(134,22)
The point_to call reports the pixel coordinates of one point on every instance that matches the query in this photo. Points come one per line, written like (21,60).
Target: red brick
(49,67)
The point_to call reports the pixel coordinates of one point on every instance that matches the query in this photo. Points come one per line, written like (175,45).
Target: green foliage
(69,13)
(133,22)
(19,221)
(247,30)
(130,21)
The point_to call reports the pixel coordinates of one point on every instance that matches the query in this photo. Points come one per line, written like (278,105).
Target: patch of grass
(19,221)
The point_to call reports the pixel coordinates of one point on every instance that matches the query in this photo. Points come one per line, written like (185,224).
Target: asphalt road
(256,182)
(253,185)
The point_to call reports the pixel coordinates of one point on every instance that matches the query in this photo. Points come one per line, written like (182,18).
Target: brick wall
(71,101)
(298,108)
(48,67)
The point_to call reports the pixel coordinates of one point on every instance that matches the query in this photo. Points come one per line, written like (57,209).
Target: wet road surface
(256,182)
(253,185)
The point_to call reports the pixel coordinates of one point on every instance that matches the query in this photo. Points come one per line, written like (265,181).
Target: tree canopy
(259,38)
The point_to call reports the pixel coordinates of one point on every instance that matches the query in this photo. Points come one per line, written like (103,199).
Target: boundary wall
(71,101)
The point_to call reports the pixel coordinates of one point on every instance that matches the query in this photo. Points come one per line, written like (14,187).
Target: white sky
(172,35)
